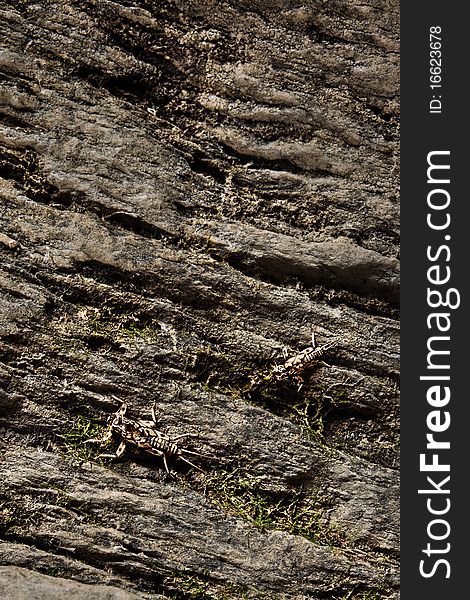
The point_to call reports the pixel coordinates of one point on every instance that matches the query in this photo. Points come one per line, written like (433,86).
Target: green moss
(75,438)
(15,515)
(364,595)
(309,407)
(239,491)
(111,323)
(216,372)
(188,585)
(314,408)
(225,374)
(184,584)
(61,572)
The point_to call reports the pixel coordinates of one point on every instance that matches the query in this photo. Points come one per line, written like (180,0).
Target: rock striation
(189,190)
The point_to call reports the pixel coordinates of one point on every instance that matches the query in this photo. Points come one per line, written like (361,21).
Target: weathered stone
(17,583)
(188,190)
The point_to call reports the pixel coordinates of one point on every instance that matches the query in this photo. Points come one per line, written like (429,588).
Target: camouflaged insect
(144,437)
(294,367)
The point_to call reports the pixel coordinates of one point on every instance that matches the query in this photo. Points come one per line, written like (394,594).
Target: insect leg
(157,452)
(165,463)
(120,450)
(106,456)
(93,441)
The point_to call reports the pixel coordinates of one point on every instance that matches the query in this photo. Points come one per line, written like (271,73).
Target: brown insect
(305,359)
(144,436)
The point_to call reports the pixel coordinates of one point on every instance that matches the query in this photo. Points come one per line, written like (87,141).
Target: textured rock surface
(189,189)
(14,581)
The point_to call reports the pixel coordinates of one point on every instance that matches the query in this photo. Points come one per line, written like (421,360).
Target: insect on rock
(145,437)
(294,367)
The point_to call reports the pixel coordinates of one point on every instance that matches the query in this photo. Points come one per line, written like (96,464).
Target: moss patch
(110,323)
(187,585)
(238,490)
(74,439)
(15,515)
(365,595)
(309,407)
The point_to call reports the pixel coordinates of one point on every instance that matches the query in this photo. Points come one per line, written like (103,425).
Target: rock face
(189,190)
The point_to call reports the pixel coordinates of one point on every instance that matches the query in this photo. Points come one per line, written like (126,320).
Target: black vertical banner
(435,415)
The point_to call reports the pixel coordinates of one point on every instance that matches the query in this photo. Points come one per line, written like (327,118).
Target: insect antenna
(194,453)
(190,463)
(178,437)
